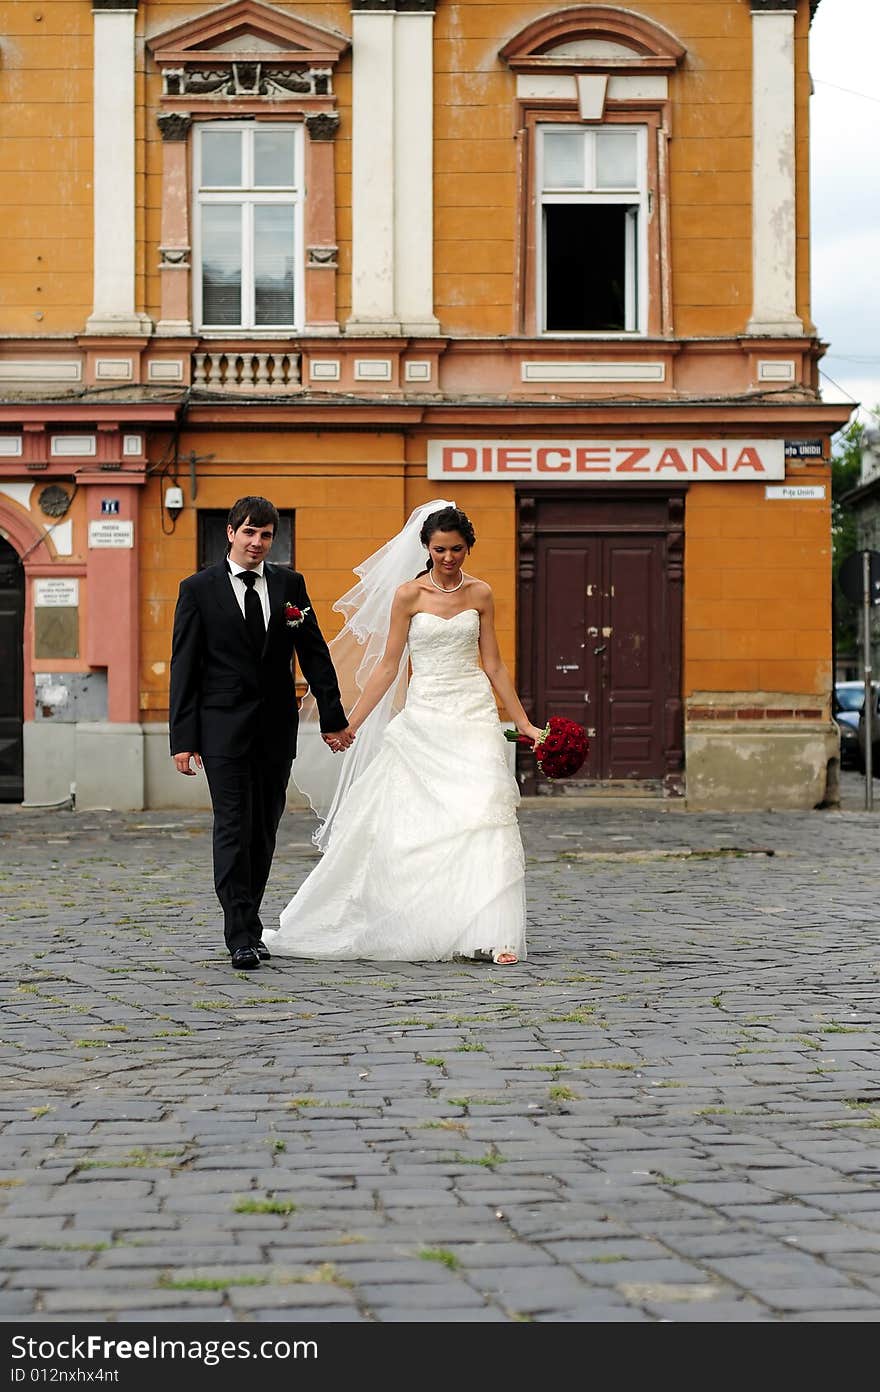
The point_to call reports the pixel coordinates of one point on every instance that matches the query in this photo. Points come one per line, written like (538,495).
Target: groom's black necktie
(253,610)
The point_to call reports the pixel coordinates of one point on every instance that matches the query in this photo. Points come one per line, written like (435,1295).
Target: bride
(422,854)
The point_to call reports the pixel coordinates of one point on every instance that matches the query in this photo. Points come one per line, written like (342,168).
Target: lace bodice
(447,678)
(444,648)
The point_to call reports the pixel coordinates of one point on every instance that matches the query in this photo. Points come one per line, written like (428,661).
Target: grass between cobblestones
(664,1114)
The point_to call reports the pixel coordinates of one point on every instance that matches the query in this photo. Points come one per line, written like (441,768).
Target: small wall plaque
(56,631)
(56,594)
(804,449)
(795,492)
(119,534)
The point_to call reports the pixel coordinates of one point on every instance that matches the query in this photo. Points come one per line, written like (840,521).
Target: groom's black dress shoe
(245,959)
(262,952)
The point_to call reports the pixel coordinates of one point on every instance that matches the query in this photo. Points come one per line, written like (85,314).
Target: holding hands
(339,740)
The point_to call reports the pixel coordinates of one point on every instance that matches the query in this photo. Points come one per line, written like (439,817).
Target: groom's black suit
(236,707)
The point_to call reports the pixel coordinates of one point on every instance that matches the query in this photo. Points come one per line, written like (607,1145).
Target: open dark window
(592,229)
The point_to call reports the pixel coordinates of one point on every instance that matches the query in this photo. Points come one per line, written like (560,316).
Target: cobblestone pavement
(670,1112)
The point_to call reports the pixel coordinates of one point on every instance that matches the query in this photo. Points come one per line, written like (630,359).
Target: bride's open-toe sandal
(504,957)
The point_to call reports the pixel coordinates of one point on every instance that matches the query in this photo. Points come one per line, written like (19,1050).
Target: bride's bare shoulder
(481,591)
(406,595)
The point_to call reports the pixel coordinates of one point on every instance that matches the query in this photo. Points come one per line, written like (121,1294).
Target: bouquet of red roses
(562,749)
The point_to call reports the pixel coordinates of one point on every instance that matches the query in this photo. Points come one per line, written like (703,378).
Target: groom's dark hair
(259,511)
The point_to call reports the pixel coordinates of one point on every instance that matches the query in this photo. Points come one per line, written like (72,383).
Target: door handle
(600,649)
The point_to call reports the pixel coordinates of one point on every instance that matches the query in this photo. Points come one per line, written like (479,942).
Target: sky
(845,195)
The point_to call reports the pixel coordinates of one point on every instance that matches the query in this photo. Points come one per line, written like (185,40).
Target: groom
(234,710)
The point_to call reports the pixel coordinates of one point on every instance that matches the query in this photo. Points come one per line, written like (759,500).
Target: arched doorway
(11,673)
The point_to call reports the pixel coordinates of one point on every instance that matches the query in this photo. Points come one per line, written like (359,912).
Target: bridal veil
(325,777)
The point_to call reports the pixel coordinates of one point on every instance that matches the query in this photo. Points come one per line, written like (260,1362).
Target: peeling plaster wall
(764,770)
(69,697)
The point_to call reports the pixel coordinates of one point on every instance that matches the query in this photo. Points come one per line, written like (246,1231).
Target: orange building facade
(550,262)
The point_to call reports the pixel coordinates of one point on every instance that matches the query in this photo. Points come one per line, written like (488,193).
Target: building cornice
(781,7)
(310,411)
(393,6)
(48,412)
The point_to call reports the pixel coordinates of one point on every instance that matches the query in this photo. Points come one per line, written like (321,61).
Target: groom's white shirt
(239,589)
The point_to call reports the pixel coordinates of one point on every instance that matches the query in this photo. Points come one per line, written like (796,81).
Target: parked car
(849,743)
(847,700)
(848,696)
(875,732)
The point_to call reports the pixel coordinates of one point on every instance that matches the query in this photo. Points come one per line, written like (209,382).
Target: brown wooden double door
(600,631)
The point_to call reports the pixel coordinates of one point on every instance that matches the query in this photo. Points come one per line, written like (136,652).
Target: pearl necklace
(443,588)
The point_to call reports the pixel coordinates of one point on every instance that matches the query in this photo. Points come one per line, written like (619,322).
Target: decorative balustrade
(228,370)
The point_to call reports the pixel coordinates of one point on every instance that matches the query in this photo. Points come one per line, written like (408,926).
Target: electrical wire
(168,465)
(870,409)
(850,91)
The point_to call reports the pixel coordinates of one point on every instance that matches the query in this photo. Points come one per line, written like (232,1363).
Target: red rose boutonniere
(293,617)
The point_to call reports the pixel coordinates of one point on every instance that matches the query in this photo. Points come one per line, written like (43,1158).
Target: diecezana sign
(624,461)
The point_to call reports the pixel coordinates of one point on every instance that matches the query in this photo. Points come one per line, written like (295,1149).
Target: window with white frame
(592,229)
(248,178)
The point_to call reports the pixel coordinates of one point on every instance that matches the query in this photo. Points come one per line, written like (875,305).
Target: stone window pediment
(593,106)
(593,38)
(250,67)
(247,48)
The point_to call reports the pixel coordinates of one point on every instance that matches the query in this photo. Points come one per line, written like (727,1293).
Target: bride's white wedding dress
(424,859)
